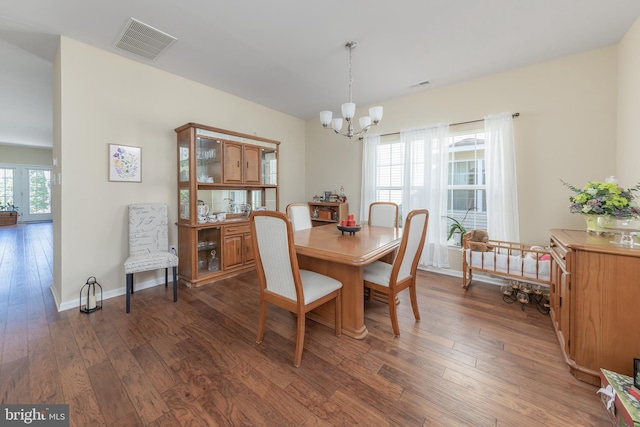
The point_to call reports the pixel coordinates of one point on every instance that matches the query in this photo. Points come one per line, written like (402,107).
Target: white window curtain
(425,184)
(369,173)
(500,173)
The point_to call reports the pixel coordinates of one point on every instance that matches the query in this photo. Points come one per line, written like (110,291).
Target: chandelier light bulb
(376,114)
(348,110)
(325,118)
(365,122)
(336,124)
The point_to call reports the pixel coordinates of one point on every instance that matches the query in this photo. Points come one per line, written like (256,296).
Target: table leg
(352,296)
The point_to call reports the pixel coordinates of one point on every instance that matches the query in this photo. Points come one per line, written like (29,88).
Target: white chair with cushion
(383,214)
(390,279)
(149,245)
(282,283)
(300,216)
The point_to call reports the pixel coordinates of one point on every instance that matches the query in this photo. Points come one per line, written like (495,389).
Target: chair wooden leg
(175,284)
(299,340)
(414,301)
(393,314)
(339,313)
(262,319)
(129,287)
(166,277)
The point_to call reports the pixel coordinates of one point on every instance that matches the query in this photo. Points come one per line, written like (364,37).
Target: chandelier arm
(350,134)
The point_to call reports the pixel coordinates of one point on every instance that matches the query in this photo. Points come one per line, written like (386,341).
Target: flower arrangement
(604,198)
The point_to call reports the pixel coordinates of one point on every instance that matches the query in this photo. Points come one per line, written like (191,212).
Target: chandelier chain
(350,46)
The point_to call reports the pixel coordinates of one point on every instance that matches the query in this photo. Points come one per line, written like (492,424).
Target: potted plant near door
(8,214)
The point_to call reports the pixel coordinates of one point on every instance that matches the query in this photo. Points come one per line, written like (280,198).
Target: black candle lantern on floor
(90,302)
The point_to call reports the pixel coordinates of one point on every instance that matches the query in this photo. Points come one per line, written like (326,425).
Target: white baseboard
(477,276)
(139,286)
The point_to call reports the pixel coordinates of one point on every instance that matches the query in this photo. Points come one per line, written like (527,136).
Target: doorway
(29,188)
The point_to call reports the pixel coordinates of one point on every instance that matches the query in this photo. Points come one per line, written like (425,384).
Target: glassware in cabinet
(208,160)
(208,240)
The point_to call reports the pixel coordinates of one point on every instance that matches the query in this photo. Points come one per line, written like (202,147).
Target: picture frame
(125,163)
(327,196)
(636,373)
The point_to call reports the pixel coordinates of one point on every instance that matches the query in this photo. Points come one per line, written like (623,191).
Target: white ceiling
(289,54)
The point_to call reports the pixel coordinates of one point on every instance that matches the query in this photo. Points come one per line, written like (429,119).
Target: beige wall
(629,107)
(570,128)
(566,130)
(103,98)
(19,155)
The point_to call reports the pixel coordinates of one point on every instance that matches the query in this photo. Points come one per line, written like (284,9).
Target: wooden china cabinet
(595,291)
(222,176)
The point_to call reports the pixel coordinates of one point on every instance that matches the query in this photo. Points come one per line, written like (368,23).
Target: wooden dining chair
(300,216)
(282,283)
(383,214)
(389,279)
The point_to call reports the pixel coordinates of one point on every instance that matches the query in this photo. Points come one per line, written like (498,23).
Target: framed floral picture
(125,163)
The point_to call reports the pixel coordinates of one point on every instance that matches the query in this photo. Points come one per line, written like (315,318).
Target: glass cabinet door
(184,204)
(184,160)
(209,250)
(269,167)
(208,156)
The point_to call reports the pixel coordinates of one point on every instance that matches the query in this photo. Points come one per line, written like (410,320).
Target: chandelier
(349,110)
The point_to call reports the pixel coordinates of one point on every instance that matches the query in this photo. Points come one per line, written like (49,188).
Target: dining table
(327,250)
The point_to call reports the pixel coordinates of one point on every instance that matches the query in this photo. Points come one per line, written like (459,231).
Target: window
(39,191)
(466,189)
(390,173)
(466,193)
(6,186)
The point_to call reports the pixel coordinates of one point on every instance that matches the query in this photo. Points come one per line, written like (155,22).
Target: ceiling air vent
(143,40)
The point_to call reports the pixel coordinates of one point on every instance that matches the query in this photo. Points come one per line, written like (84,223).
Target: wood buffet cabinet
(221,171)
(327,212)
(595,298)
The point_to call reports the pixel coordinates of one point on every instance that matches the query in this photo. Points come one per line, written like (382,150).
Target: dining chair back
(390,279)
(149,245)
(383,214)
(300,216)
(282,282)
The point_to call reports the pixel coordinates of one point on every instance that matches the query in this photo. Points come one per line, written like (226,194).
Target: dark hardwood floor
(472,361)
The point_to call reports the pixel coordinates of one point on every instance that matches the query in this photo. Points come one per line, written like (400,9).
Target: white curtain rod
(514,115)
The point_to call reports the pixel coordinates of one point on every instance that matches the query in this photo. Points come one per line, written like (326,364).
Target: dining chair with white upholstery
(299,215)
(282,282)
(389,279)
(149,245)
(383,214)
